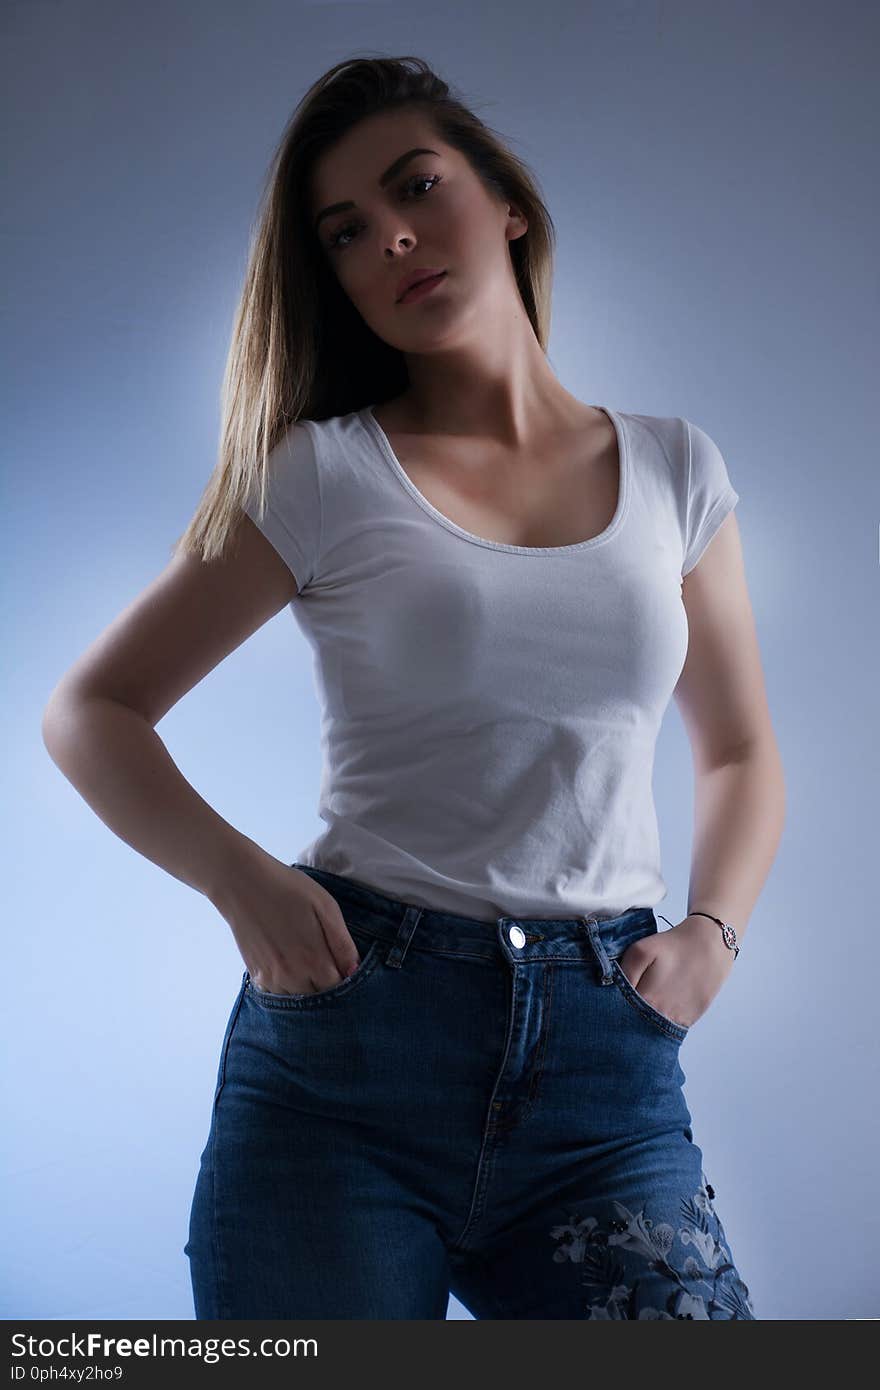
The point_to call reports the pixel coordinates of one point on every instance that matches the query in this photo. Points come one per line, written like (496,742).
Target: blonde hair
(299,348)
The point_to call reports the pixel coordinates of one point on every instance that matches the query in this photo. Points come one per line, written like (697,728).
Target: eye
(336,244)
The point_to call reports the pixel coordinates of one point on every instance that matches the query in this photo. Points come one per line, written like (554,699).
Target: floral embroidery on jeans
(599,1248)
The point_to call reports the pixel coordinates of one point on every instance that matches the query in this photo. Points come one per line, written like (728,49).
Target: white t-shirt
(489,712)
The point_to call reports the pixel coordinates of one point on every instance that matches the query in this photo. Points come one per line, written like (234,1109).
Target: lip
(416,277)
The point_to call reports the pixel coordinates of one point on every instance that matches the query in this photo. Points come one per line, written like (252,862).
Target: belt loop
(408,924)
(591,925)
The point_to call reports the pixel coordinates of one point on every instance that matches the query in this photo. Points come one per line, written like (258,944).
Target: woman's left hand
(681,970)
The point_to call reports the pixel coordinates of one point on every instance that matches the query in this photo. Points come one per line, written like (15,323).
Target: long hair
(299,347)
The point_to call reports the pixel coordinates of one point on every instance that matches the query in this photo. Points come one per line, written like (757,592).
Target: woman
(453,1060)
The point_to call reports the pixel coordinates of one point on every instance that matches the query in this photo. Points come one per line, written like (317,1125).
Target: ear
(517,223)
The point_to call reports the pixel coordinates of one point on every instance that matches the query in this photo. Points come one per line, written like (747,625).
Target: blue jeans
(486,1108)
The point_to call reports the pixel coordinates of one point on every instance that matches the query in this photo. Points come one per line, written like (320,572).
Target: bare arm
(99,724)
(739,799)
(99,728)
(121,767)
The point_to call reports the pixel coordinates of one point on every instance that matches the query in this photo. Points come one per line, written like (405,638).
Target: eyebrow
(383,180)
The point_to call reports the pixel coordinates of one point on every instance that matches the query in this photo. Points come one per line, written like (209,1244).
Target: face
(433,211)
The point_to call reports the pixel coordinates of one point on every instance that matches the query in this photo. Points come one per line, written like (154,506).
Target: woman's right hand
(290,931)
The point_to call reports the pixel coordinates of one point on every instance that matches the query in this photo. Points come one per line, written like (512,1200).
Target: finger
(343,951)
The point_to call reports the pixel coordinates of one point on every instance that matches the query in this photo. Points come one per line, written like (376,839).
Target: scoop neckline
(376,431)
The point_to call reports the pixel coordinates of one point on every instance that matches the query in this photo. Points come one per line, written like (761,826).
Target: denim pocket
(677,1031)
(370,956)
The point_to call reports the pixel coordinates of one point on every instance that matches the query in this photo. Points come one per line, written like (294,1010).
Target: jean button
(517,937)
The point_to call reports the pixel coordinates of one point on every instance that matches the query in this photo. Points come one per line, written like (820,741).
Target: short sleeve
(292,519)
(710,494)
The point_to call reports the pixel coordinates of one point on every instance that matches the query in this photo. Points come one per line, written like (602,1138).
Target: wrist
(724,931)
(238,859)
